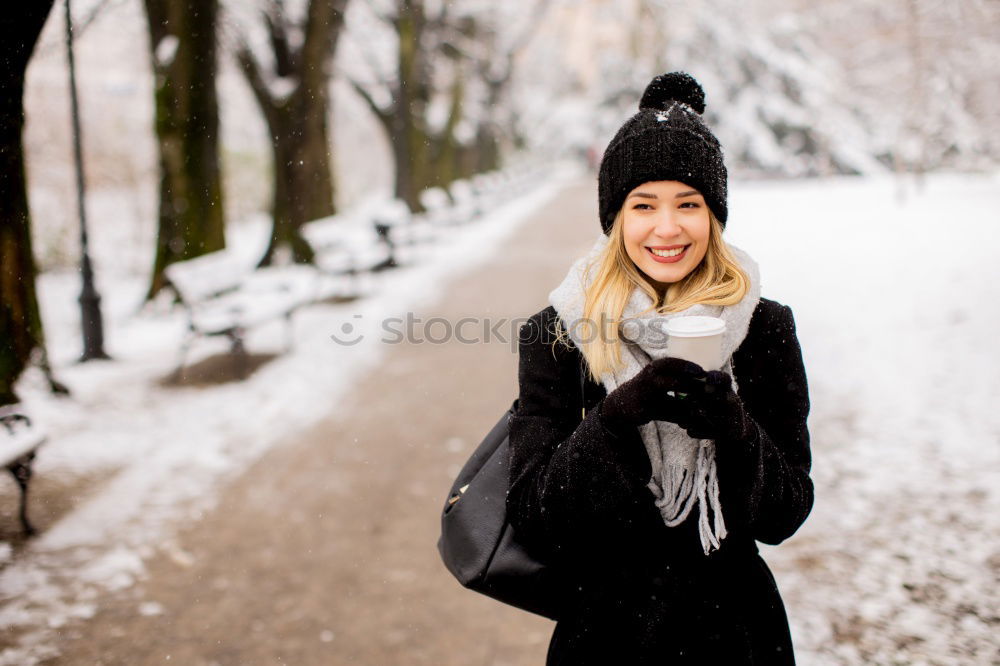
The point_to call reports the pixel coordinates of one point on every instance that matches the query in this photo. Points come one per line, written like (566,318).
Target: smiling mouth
(668,254)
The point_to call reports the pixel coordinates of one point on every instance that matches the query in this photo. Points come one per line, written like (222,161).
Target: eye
(642,206)
(690,204)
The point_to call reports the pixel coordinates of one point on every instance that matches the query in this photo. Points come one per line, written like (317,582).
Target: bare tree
(499,47)
(409,92)
(422,100)
(21,331)
(442,101)
(182,40)
(295,101)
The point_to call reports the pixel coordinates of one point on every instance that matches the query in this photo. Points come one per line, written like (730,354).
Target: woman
(651,488)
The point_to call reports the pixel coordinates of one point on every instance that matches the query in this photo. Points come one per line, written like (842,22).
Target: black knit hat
(666,140)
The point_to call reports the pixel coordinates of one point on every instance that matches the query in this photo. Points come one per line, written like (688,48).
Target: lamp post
(90,300)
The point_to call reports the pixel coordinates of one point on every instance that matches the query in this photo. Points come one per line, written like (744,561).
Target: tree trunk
(917,124)
(21,331)
(446,152)
(409,151)
(488,133)
(487,154)
(303,179)
(191,220)
(423,158)
(297,122)
(410,141)
(303,188)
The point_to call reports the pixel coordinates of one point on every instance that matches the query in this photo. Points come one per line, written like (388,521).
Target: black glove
(645,397)
(716,412)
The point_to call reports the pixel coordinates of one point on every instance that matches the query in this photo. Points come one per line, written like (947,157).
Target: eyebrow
(650,195)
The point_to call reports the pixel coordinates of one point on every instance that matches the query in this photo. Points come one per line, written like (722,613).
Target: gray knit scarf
(683,469)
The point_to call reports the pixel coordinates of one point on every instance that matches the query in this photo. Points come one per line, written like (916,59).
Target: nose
(667,224)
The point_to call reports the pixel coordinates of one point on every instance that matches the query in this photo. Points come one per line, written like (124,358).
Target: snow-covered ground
(168,448)
(895,293)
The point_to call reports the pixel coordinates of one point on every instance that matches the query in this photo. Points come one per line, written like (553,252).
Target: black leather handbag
(478,543)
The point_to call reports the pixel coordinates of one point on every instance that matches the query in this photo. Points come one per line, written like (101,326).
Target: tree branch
(277,32)
(337,23)
(541,7)
(370,62)
(384,115)
(324,23)
(252,71)
(520,42)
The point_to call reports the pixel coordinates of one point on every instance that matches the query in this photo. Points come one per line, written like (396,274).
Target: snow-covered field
(895,293)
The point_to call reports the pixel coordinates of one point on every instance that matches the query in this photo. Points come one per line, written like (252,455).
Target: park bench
(437,207)
(19,440)
(224,295)
(494,188)
(401,229)
(349,247)
(466,204)
(491,190)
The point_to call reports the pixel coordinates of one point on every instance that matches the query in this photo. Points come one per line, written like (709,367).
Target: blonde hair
(717,280)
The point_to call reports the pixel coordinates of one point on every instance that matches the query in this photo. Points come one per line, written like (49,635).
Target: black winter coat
(642,592)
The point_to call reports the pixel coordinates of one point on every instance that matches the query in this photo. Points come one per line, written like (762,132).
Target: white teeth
(667,253)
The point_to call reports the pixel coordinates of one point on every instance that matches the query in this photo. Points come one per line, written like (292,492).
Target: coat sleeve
(764,479)
(571,480)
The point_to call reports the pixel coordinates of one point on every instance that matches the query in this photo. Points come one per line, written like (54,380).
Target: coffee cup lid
(695,326)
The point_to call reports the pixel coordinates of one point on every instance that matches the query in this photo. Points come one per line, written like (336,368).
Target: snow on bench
(490,190)
(19,440)
(465,204)
(394,222)
(437,206)
(349,246)
(225,296)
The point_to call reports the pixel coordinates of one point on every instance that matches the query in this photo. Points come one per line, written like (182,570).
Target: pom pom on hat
(673,87)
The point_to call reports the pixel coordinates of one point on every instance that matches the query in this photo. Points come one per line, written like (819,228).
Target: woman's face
(665,226)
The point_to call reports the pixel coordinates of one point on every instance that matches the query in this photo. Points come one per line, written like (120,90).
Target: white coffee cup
(697,339)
